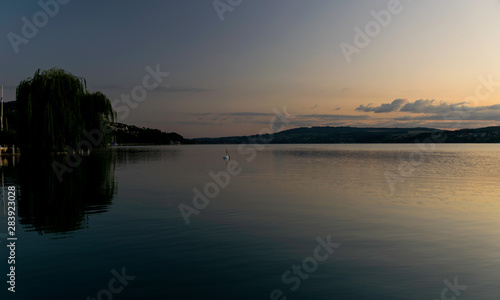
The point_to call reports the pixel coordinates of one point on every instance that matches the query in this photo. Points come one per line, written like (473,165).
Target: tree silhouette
(54,108)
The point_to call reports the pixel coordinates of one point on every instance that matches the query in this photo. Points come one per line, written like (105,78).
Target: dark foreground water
(298,221)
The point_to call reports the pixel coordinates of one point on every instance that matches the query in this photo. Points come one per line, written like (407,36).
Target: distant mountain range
(327,135)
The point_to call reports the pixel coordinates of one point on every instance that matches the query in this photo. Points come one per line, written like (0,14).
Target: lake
(343,221)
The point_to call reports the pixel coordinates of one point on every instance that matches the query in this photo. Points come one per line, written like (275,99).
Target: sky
(232,64)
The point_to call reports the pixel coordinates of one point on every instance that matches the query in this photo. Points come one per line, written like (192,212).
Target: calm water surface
(407,218)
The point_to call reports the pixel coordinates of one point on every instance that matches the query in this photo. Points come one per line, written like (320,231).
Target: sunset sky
(428,66)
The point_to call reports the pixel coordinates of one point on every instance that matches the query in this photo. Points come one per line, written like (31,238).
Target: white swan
(226,157)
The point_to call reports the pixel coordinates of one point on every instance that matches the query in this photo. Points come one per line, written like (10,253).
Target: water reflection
(9,161)
(46,205)
(141,154)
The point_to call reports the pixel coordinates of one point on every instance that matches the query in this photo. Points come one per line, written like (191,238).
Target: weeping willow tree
(96,108)
(54,108)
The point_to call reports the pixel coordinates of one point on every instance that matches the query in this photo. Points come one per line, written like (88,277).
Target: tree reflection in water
(46,205)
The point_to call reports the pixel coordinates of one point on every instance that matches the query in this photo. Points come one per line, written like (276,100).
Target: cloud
(334,117)
(265,118)
(162,88)
(256,115)
(173,89)
(328,120)
(431,106)
(384,108)
(436,110)
(230,118)
(436,114)
(234,114)
(439,111)
(109,87)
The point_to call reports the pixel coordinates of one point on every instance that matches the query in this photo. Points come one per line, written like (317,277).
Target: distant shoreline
(356,135)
